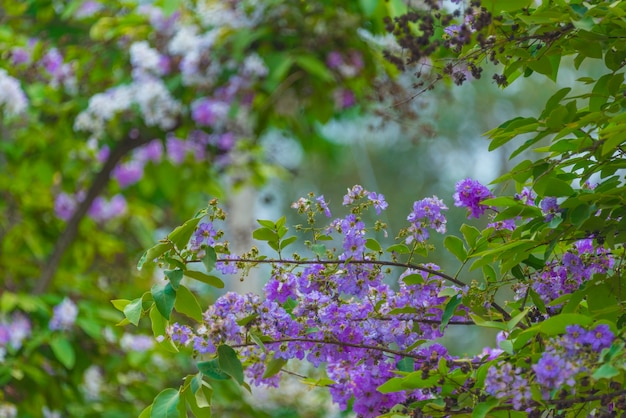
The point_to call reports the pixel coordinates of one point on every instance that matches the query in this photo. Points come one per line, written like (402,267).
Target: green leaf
(146,412)
(164,297)
(212,369)
(319,250)
(268,224)
(265,234)
(230,363)
(599,93)
(205,278)
(482,408)
(556,325)
(449,310)
(63,351)
(166,404)
(287,241)
(551,186)
(470,234)
(133,311)
(398,248)
(373,245)
(273,367)
(181,235)
(606,371)
(209,259)
(455,246)
(186,303)
(413,279)
(153,253)
(120,304)
(174,276)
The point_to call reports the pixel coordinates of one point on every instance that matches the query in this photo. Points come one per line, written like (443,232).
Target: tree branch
(71,228)
(440,274)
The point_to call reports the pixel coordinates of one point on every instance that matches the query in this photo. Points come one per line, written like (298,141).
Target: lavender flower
(549,207)
(379,202)
(469,194)
(64,316)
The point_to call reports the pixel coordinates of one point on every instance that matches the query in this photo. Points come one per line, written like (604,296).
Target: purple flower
(469,194)
(14,332)
(128,173)
(206,112)
(323,205)
(138,343)
(176,150)
(549,207)
(427,213)
(64,206)
(379,202)
(181,334)
(226,267)
(281,288)
(601,337)
(64,316)
(88,9)
(334,60)
(204,234)
(20,56)
(52,62)
(152,151)
(102,210)
(356,192)
(345,98)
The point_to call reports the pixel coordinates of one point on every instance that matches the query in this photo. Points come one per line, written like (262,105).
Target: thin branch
(444,276)
(71,228)
(335,342)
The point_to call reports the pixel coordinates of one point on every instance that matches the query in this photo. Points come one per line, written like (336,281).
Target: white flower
(253,65)
(145,60)
(92,382)
(11,95)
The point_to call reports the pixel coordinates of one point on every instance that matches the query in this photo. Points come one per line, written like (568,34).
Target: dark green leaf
(455,246)
(212,370)
(373,245)
(133,310)
(63,351)
(181,235)
(186,303)
(174,276)
(205,278)
(164,297)
(154,253)
(209,259)
(449,310)
(273,367)
(229,362)
(166,404)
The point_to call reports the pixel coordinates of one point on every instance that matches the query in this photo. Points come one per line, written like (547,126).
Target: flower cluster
(12,98)
(565,357)
(427,213)
(340,314)
(13,331)
(64,316)
(469,193)
(566,275)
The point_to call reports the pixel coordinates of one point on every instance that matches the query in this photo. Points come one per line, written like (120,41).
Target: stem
(71,228)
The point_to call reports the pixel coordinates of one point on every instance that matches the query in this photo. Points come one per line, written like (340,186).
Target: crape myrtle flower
(549,207)
(379,201)
(469,193)
(64,316)
(427,213)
